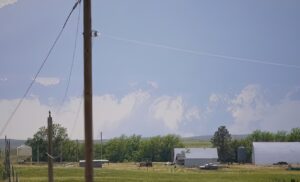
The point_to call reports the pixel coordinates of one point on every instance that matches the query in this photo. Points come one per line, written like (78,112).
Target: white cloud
(193,113)
(153,84)
(6,2)
(168,109)
(4,79)
(214,98)
(47,81)
(250,110)
(30,116)
(141,113)
(109,113)
(293,94)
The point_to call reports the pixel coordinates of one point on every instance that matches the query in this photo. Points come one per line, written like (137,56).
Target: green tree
(134,148)
(235,144)
(169,142)
(281,136)
(294,135)
(262,136)
(222,140)
(71,151)
(115,149)
(39,142)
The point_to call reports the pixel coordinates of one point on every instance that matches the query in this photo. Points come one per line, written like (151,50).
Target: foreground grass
(130,172)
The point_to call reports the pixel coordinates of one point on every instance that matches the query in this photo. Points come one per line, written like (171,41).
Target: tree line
(158,148)
(119,149)
(228,148)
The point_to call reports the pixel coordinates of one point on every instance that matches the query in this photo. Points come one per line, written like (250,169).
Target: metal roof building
(267,153)
(194,157)
(24,153)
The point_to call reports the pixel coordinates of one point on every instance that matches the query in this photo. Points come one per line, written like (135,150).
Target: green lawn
(130,172)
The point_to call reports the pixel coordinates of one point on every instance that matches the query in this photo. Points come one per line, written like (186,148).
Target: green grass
(161,173)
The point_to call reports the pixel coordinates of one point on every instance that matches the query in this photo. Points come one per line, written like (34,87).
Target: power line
(229,58)
(39,70)
(72,62)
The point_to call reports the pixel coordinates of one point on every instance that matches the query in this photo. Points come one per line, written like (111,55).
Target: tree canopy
(61,143)
(222,140)
(135,148)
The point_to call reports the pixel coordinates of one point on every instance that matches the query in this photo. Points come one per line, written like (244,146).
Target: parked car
(209,166)
(169,163)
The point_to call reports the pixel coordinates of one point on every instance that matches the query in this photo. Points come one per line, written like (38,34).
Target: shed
(194,157)
(268,153)
(24,153)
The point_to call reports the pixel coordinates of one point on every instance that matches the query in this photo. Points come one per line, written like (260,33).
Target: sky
(159,67)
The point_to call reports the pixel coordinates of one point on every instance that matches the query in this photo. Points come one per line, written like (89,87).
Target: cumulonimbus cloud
(110,115)
(251,110)
(168,109)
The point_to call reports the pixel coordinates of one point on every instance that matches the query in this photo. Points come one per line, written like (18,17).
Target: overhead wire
(72,62)
(39,70)
(229,58)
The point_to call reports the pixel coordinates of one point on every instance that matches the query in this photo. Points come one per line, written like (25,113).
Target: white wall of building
(268,153)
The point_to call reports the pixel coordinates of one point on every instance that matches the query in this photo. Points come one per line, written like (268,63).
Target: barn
(195,157)
(268,153)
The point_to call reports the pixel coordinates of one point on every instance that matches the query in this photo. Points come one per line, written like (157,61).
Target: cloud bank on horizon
(140,112)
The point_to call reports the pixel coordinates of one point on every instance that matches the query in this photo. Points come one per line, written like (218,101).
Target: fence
(9,173)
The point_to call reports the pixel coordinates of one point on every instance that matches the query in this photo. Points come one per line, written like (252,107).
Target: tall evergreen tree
(222,140)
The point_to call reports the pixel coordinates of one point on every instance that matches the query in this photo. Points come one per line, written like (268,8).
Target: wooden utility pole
(61,151)
(101,145)
(38,154)
(50,149)
(88,94)
(77,151)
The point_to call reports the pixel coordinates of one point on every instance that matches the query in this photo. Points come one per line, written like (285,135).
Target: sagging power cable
(39,70)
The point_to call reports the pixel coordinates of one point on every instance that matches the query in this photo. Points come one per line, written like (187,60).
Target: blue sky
(182,67)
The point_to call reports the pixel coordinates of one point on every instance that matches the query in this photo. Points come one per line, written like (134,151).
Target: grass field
(195,143)
(160,172)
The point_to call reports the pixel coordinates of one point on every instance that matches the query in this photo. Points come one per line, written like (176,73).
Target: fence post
(13,173)
(17,178)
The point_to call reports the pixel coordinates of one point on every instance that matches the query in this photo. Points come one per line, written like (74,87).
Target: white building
(195,157)
(268,153)
(24,153)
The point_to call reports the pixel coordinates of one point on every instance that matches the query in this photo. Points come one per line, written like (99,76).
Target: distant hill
(208,137)
(13,143)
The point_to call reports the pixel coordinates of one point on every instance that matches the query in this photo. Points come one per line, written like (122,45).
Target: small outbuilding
(24,154)
(268,153)
(195,157)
